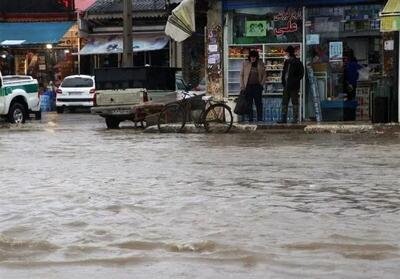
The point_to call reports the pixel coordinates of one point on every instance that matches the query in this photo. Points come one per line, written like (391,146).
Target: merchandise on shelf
(243,51)
(274,60)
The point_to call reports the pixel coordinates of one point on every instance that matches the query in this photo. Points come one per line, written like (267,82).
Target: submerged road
(78,200)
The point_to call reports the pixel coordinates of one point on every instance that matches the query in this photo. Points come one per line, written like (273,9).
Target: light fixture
(66,50)
(3,56)
(49,46)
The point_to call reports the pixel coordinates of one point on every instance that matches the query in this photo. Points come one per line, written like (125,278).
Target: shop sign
(335,51)
(286,22)
(277,25)
(390,23)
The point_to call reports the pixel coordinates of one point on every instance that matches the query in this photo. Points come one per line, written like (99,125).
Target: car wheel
(60,109)
(17,113)
(112,123)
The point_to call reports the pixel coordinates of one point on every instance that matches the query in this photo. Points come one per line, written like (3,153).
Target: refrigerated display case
(237,54)
(273,56)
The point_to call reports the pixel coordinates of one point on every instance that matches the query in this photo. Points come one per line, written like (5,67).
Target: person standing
(351,76)
(292,74)
(252,80)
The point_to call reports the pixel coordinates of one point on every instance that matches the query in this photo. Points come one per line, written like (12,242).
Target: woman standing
(252,79)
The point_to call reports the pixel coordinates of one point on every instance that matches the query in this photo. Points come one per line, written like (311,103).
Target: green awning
(390,16)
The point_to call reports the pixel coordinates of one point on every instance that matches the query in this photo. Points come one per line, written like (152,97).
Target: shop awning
(390,16)
(181,23)
(240,4)
(114,44)
(32,33)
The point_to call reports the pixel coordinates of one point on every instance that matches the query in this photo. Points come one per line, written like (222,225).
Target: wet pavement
(79,200)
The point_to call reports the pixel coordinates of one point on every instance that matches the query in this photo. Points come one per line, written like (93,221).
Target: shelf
(372,33)
(275,57)
(273,94)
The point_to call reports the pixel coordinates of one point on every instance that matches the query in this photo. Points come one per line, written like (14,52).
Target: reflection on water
(79,199)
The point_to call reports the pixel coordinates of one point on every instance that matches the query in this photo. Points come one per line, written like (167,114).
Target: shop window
(343,46)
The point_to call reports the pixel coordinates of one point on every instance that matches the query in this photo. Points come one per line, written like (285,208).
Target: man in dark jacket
(293,72)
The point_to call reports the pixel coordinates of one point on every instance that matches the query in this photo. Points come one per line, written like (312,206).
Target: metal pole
(79,44)
(302,110)
(398,81)
(127,56)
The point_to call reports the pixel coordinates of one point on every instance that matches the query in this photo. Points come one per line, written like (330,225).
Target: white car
(75,91)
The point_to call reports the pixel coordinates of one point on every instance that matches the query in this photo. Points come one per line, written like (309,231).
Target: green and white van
(19,96)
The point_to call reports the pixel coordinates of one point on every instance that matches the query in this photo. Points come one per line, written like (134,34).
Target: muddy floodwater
(80,201)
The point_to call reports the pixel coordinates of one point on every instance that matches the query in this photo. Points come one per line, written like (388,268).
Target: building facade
(101,29)
(38,38)
(326,36)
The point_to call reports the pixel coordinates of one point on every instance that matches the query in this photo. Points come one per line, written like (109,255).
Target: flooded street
(78,200)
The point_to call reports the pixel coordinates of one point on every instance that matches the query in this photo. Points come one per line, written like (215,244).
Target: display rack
(237,54)
(20,64)
(274,58)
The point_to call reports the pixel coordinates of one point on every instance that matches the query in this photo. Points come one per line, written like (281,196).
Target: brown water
(79,200)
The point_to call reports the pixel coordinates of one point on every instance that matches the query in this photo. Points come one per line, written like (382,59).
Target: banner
(114,44)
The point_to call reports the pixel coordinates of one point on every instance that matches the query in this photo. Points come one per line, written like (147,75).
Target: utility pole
(127,56)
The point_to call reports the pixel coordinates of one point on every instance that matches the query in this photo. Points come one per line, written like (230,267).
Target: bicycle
(215,116)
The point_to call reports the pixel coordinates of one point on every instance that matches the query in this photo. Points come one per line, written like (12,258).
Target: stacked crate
(363,99)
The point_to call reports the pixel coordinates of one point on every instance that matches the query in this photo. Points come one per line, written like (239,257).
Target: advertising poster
(256,28)
(335,51)
(313,39)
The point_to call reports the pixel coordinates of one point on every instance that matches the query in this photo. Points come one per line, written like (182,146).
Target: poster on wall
(335,51)
(256,28)
(313,39)
(214,62)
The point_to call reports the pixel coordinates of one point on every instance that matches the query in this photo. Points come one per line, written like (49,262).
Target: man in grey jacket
(292,74)
(252,80)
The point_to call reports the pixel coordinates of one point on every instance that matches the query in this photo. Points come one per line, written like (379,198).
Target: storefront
(327,35)
(26,49)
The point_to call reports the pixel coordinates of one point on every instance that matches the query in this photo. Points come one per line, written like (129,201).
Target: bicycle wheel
(218,118)
(199,121)
(171,118)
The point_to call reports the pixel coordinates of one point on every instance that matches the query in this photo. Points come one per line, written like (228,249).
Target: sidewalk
(334,127)
(305,127)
